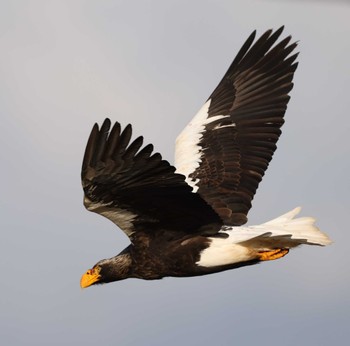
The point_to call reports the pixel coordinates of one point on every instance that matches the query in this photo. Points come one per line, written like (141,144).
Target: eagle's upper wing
(136,189)
(226,148)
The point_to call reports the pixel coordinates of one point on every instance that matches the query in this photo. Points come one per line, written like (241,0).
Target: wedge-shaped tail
(287,232)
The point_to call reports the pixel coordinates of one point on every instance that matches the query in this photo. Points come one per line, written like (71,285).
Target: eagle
(189,219)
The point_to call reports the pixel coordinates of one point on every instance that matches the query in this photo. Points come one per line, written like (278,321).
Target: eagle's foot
(272,255)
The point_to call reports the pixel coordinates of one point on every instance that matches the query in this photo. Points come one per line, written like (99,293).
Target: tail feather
(302,230)
(285,217)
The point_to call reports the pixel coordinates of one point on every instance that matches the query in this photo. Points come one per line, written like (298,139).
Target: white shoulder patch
(187,150)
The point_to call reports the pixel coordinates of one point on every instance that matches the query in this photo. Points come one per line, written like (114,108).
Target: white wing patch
(187,150)
(217,127)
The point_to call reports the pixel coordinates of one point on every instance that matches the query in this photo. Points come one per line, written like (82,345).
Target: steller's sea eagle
(188,220)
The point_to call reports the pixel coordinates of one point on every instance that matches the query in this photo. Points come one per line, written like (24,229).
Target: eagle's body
(190,222)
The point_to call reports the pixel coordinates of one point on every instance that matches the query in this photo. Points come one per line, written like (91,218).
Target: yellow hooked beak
(90,277)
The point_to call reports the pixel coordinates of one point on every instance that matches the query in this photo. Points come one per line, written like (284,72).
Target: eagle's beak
(90,277)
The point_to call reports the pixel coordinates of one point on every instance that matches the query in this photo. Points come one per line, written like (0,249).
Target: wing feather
(226,149)
(138,190)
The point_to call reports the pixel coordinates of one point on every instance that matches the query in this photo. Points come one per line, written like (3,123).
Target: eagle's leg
(272,255)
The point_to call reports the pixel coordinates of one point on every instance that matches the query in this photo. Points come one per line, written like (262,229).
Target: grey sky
(67,64)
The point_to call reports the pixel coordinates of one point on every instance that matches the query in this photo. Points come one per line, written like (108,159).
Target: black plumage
(173,219)
(254,93)
(116,174)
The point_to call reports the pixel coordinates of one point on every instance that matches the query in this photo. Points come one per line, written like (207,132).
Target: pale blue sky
(67,64)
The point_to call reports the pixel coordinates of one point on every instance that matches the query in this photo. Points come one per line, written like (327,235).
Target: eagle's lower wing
(136,189)
(226,148)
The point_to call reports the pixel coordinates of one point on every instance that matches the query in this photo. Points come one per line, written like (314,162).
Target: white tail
(302,230)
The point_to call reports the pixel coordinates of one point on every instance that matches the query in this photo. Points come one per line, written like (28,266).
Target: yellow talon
(272,255)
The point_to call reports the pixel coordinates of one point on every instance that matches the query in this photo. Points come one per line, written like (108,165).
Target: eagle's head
(107,270)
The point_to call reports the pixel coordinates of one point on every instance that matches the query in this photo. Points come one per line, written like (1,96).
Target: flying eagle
(188,221)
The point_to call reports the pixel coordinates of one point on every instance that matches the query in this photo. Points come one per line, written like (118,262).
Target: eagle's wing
(136,189)
(226,148)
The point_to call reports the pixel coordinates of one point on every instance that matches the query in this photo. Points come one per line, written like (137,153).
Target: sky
(65,65)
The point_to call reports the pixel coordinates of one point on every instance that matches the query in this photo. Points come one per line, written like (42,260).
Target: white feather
(299,228)
(222,252)
(187,150)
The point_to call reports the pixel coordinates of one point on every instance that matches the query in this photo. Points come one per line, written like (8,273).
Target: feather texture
(235,135)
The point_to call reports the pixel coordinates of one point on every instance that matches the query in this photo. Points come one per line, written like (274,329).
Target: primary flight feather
(188,220)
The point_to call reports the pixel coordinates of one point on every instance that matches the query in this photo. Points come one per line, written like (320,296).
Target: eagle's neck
(116,268)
